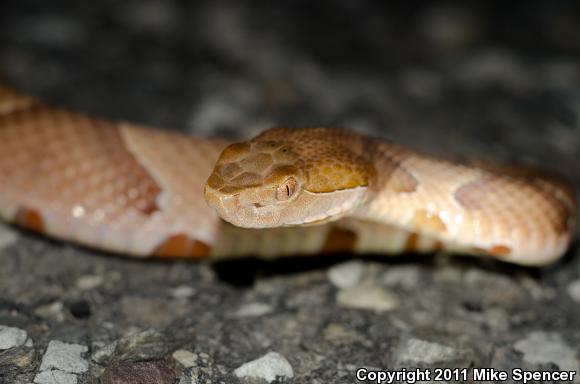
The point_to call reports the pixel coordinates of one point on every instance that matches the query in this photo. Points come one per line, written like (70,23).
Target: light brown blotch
(402,181)
(512,195)
(471,195)
(30,219)
(181,246)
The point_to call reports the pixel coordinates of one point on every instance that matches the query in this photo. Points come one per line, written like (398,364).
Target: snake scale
(128,189)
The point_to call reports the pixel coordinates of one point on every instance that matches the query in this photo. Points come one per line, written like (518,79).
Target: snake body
(129,189)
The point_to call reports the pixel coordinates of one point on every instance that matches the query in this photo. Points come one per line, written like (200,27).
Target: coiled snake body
(138,191)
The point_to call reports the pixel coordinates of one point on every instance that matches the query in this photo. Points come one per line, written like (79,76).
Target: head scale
(289,177)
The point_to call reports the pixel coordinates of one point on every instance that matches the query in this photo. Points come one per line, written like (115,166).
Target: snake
(129,189)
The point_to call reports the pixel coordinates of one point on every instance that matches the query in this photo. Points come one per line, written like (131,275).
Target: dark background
(482,74)
(496,79)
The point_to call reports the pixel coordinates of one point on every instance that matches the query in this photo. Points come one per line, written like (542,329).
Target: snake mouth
(234,210)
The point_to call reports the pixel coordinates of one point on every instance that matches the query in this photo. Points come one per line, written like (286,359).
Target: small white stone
(547,347)
(416,351)
(88,282)
(574,290)
(55,377)
(185,357)
(64,357)
(368,296)
(254,310)
(183,292)
(11,337)
(268,367)
(346,275)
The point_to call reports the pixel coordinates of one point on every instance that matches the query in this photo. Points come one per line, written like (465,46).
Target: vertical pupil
(288,190)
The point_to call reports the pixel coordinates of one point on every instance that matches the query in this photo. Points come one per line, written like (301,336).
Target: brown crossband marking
(75,160)
(30,219)
(339,240)
(471,195)
(182,246)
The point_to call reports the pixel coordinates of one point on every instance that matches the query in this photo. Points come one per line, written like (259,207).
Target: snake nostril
(258,205)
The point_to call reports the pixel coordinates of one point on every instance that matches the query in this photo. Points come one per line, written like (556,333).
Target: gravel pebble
(268,367)
(185,357)
(88,282)
(64,357)
(415,351)
(183,292)
(254,309)
(55,377)
(368,296)
(11,337)
(346,275)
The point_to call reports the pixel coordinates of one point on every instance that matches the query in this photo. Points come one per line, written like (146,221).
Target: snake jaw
(305,208)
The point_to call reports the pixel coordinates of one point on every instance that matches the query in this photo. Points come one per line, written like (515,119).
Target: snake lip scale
(143,192)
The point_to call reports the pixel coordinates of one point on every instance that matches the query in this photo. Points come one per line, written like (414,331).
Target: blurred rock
(11,337)
(269,367)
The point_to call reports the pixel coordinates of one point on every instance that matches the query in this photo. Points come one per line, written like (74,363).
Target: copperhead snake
(128,189)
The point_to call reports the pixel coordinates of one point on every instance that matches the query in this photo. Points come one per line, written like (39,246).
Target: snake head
(287,177)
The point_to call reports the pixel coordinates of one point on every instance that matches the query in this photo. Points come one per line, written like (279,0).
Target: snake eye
(286,190)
